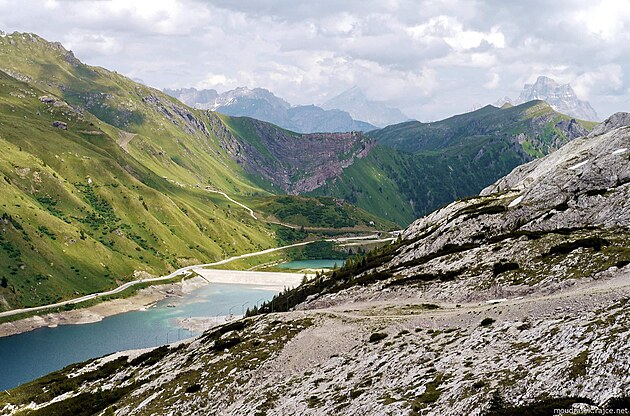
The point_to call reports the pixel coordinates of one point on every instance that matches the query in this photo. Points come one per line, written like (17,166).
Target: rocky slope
(510,303)
(295,163)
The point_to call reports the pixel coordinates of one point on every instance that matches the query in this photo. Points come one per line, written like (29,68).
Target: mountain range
(104,165)
(561,98)
(105,179)
(512,302)
(263,105)
(360,107)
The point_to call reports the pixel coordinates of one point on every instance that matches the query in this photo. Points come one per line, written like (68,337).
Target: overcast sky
(432,59)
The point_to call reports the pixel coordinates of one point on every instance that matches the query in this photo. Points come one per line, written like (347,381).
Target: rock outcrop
(613,122)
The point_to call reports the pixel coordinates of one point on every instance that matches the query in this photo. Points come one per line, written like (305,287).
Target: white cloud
(493,83)
(608,19)
(87,43)
(217,81)
(606,79)
(455,35)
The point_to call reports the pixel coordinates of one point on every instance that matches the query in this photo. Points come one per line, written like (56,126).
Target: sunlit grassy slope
(169,138)
(80,215)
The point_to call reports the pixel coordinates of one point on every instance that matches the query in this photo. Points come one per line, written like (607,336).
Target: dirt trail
(251,211)
(581,297)
(125,138)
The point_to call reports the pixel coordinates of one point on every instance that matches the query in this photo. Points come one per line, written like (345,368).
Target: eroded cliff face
(296,163)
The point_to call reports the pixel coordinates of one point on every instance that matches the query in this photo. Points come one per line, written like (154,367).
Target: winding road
(251,211)
(179,272)
(184,270)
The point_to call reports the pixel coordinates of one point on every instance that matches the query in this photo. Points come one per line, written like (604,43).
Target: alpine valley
(508,296)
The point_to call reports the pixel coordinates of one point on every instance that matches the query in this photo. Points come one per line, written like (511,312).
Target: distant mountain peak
(355,91)
(262,104)
(254,94)
(560,97)
(545,80)
(355,102)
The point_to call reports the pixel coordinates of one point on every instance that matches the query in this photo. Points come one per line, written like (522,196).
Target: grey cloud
(300,10)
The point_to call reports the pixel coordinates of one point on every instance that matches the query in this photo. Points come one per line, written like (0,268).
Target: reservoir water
(311,264)
(33,354)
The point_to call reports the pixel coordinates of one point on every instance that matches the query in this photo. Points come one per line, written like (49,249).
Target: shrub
(194,388)
(578,364)
(499,268)
(224,344)
(487,322)
(596,243)
(377,336)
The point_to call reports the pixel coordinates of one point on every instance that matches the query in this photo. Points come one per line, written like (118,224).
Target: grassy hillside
(369,184)
(104,178)
(79,215)
(535,122)
(317,213)
(172,140)
(418,167)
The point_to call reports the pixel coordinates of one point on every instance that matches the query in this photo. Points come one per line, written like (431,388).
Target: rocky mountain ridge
(360,107)
(513,302)
(262,104)
(561,97)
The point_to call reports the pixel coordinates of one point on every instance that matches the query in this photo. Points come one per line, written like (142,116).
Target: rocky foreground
(512,302)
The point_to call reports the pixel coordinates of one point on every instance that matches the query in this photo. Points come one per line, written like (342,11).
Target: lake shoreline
(149,296)
(145,298)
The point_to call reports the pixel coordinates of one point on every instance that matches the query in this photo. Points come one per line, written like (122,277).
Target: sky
(432,59)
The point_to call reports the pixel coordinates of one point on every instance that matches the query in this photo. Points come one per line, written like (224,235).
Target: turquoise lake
(33,354)
(311,264)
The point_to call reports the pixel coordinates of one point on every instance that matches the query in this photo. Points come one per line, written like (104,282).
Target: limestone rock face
(580,192)
(613,122)
(561,97)
(589,175)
